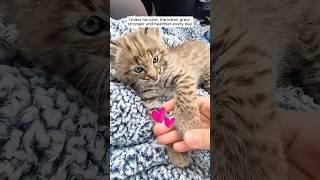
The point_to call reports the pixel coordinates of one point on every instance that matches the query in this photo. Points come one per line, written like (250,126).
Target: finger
(160,129)
(181,146)
(290,126)
(169,138)
(204,106)
(169,105)
(205,122)
(198,138)
(302,140)
(295,173)
(293,123)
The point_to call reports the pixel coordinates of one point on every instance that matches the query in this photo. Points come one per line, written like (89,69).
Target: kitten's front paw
(181,160)
(152,105)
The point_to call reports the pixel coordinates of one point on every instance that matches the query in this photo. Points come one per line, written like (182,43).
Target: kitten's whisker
(97,95)
(105,84)
(85,75)
(103,78)
(92,82)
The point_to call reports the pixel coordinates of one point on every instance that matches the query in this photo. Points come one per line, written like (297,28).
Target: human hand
(193,138)
(300,137)
(301,140)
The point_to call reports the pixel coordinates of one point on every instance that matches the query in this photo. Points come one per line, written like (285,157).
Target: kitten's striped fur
(179,70)
(255,43)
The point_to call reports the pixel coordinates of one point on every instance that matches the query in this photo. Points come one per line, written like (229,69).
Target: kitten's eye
(155,59)
(138,69)
(91,25)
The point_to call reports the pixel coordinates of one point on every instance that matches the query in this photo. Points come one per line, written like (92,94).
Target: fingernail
(190,138)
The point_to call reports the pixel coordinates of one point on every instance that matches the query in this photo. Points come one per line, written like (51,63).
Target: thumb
(198,138)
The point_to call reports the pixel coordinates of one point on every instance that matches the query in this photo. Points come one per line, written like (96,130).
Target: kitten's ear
(114,48)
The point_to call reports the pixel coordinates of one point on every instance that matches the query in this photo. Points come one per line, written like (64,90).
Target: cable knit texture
(46,130)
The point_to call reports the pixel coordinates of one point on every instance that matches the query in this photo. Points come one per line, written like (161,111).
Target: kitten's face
(139,56)
(67,37)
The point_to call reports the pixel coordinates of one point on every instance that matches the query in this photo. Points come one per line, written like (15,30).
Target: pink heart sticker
(169,122)
(158,115)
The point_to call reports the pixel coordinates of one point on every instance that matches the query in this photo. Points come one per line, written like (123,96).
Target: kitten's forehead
(68,9)
(79,9)
(93,5)
(141,41)
(138,47)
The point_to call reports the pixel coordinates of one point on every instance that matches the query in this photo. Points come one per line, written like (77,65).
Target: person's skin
(170,136)
(300,135)
(301,140)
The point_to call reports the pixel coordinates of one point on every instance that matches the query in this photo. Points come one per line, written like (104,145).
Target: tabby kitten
(68,38)
(143,61)
(257,44)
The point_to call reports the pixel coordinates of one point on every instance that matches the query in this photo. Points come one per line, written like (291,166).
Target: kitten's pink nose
(153,75)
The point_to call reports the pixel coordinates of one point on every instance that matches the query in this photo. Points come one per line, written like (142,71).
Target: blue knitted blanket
(46,129)
(134,152)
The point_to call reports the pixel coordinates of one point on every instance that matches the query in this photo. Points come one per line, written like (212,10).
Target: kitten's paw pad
(181,160)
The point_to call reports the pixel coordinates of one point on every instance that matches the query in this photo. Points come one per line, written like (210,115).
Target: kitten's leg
(186,113)
(206,78)
(178,159)
(152,101)
(245,125)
